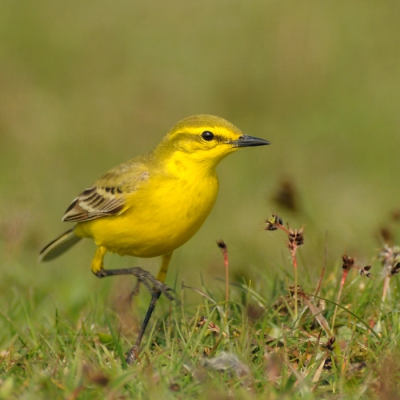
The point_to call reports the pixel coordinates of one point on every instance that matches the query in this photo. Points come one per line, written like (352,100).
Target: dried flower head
(296,238)
(365,271)
(390,259)
(221,244)
(348,262)
(273,222)
(395,270)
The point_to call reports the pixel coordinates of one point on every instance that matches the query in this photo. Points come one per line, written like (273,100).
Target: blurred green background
(85,85)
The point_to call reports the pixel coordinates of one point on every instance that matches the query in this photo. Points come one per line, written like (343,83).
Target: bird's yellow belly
(156,222)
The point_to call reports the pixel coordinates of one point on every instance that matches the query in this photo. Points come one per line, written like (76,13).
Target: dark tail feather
(59,245)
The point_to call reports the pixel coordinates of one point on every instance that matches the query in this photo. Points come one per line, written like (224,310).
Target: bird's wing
(107,196)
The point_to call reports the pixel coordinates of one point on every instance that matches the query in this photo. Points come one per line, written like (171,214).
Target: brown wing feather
(94,202)
(107,196)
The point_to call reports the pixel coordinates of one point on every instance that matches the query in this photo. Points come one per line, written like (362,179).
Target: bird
(154,203)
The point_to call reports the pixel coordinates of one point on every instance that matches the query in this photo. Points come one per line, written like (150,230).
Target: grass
(252,345)
(86,85)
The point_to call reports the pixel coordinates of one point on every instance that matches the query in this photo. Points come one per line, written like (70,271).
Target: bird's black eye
(207,135)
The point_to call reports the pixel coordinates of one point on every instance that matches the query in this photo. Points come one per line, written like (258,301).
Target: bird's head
(206,139)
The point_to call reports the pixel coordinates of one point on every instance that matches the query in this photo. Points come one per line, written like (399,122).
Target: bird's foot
(145,277)
(151,283)
(133,355)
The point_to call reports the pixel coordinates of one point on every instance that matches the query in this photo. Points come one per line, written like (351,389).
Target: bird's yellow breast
(165,212)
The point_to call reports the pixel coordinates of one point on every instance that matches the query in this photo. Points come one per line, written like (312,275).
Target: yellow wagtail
(152,204)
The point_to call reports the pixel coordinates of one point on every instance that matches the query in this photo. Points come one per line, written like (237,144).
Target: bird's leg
(133,352)
(154,285)
(143,276)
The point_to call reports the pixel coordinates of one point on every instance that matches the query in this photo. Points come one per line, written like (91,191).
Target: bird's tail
(59,245)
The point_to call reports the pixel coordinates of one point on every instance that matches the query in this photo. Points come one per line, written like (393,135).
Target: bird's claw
(151,283)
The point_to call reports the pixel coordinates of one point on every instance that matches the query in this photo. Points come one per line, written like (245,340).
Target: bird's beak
(248,141)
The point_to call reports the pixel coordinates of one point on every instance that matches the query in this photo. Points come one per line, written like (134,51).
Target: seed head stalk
(295,239)
(224,248)
(348,264)
(346,267)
